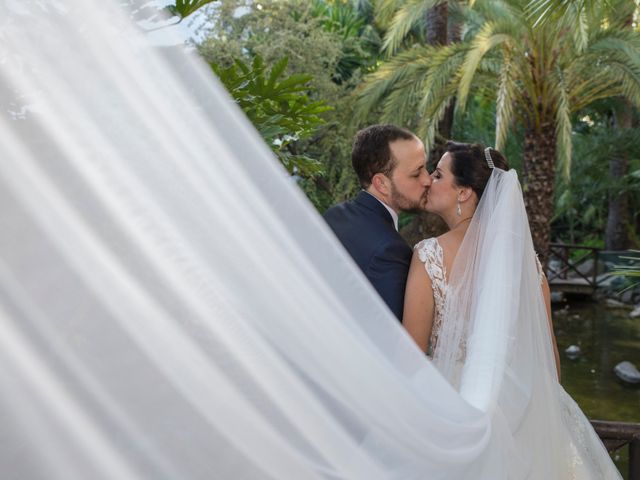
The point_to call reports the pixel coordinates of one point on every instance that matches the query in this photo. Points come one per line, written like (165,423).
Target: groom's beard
(405,204)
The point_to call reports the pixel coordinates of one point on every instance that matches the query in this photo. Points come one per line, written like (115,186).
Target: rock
(610,282)
(627,372)
(627,296)
(586,267)
(573,351)
(554,266)
(614,303)
(636,312)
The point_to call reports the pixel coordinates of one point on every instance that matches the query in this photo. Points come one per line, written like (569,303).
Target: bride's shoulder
(425,243)
(425,248)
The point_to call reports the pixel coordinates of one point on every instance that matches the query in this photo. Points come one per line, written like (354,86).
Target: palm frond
(563,125)
(390,76)
(610,66)
(401,105)
(581,31)
(483,42)
(542,12)
(601,84)
(500,11)
(444,64)
(384,10)
(630,268)
(432,116)
(626,41)
(619,14)
(470,20)
(544,71)
(411,13)
(539,11)
(505,99)
(439,87)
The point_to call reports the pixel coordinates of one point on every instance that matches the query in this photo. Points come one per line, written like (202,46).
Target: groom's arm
(387,271)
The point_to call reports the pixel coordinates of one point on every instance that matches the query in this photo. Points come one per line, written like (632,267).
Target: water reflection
(606,337)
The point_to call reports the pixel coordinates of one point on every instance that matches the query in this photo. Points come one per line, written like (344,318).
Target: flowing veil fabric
(495,347)
(172,307)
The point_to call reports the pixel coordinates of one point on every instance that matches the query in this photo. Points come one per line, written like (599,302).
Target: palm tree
(408,22)
(538,73)
(618,218)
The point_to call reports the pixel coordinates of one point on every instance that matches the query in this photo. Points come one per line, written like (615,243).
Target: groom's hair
(469,165)
(371,153)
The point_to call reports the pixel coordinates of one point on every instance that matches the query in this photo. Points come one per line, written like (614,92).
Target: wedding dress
(483,287)
(172,306)
(431,255)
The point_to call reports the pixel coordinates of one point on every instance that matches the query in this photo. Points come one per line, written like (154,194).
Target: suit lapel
(368,201)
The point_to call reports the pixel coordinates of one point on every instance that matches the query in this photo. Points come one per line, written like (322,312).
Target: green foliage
(542,11)
(582,199)
(184,8)
(537,74)
(632,266)
(478,125)
(278,107)
(333,41)
(629,269)
(240,30)
(405,22)
(360,40)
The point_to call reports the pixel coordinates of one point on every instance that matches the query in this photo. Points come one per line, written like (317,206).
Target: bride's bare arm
(418,304)
(546,293)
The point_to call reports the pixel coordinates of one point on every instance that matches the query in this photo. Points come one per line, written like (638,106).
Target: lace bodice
(431,254)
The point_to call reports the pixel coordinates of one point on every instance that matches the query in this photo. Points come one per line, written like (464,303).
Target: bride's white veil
(496,348)
(172,307)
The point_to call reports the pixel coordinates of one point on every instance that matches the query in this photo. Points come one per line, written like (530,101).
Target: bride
(459,281)
(458,182)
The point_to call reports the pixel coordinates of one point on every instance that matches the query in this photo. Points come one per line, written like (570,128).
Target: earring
(459,210)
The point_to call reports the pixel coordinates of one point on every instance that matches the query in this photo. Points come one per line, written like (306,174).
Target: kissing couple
(474,299)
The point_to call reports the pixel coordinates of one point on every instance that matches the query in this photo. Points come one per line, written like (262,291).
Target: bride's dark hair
(469,164)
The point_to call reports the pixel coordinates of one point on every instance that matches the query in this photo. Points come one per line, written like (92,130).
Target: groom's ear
(380,183)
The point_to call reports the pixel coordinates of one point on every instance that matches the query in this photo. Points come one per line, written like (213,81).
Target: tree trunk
(437,19)
(438,34)
(539,184)
(428,225)
(635,215)
(618,219)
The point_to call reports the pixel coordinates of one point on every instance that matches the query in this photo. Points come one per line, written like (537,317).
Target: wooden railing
(616,435)
(578,282)
(561,251)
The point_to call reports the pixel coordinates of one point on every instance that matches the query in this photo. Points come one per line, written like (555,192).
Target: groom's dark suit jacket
(365,228)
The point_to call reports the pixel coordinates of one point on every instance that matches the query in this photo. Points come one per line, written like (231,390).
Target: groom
(390,163)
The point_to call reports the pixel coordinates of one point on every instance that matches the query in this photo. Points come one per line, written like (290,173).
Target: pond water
(606,336)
